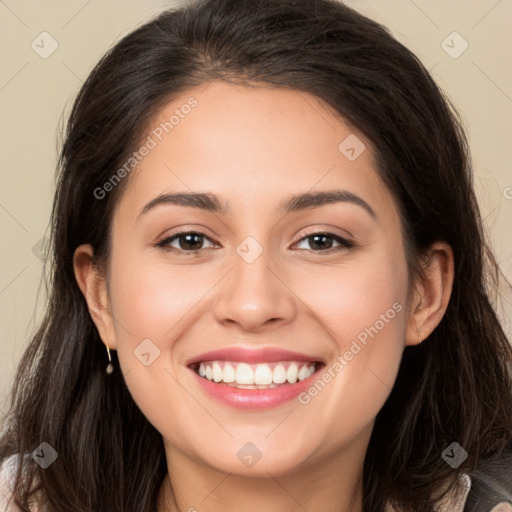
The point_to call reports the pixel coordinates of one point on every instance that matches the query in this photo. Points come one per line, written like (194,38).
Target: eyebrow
(211,203)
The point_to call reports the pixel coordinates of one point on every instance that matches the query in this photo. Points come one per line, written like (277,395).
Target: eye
(323,242)
(188,242)
(191,242)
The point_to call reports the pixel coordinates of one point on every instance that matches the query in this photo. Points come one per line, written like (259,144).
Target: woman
(269,284)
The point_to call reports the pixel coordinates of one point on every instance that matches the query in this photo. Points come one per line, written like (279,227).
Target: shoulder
(457,499)
(8,469)
(7,473)
(454,500)
(491,488)
(470,496)
(488,488)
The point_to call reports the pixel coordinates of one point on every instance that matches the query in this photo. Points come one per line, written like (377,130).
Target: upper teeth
(258,374)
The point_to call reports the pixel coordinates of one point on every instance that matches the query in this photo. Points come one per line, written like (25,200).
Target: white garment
(7,474)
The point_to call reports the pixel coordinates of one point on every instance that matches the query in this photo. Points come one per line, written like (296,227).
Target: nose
(256,295)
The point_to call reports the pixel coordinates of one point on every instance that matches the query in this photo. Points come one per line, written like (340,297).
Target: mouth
(268,375)
(252,379)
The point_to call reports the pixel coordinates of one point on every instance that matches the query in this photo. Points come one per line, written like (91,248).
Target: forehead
(252,146)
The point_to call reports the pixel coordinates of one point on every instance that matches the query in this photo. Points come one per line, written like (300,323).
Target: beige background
(36,95)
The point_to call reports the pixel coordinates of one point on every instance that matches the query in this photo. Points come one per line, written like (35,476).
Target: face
(288,284)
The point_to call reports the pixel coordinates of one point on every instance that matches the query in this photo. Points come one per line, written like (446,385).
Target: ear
(432,293)
(93,285)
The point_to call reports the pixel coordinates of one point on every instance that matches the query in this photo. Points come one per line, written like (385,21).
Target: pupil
(316,237)
(188,242)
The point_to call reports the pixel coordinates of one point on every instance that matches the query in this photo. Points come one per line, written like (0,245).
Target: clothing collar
(454,501)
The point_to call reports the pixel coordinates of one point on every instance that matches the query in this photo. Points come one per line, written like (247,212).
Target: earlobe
(432,293)
(94,289)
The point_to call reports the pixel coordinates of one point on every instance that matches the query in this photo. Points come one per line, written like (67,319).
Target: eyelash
(164,243)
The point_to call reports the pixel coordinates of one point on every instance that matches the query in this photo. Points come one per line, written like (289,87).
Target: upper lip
(245,355)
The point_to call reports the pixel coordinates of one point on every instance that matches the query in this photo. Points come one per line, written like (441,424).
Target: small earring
(419,337)
(110,367)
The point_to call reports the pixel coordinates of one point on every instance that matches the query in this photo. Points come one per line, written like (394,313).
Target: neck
(333,484)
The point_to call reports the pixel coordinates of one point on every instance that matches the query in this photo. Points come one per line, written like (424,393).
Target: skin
(253,147)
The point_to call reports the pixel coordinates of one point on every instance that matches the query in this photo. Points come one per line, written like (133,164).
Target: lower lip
(254,398)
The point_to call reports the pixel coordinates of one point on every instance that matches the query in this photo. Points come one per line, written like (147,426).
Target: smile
(253,379)
(255,376)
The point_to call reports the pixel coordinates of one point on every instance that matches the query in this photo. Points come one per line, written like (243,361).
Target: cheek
(151,299)
(150,305)
(350,299)
(364,311)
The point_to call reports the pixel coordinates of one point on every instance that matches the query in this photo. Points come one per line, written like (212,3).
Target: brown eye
(188,241)
(320,242)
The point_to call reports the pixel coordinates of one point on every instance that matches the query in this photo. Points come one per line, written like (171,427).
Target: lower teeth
(249,386)
(252,386)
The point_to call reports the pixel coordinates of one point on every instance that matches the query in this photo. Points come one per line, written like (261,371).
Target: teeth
(263,375)
(229,374)
(279,375)
(292,373)
(244,374)
(218,374)
(253,376)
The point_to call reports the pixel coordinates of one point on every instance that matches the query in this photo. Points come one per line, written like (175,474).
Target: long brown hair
(456,386)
